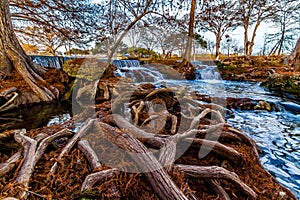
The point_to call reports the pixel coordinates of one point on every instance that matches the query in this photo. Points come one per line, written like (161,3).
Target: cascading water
(206,72)
(132,69)
(49,61)
(276,133)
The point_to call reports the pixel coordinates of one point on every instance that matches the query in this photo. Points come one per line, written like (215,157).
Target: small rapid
(276,133)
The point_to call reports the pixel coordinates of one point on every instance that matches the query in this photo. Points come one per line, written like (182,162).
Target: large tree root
(32,153)
(71,143)
(9,164)
(153,154)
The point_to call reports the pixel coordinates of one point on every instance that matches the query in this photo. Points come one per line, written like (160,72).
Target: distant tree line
(168,25)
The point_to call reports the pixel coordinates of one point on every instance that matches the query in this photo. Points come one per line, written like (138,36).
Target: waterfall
(49,61)
(120,64)
(206,72)
(132,69)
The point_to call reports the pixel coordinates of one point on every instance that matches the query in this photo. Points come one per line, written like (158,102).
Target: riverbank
(233,160)
(271,71)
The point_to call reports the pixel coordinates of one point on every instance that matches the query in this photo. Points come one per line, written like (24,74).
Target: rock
(263,105)
(283,83)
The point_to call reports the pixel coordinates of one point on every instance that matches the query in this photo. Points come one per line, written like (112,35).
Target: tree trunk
(218,45)
(294,58)
(188,50)
(109,71)
(250,47)
(15,57)
(246,39)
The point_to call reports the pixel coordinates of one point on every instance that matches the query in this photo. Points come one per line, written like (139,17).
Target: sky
(238,34)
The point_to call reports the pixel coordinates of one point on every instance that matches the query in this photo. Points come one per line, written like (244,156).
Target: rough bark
(294,58)
(156,175)
(188,50)
(214,172)
(12,56)
(9,164)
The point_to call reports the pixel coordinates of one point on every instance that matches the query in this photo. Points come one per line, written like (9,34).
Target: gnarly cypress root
(12,56)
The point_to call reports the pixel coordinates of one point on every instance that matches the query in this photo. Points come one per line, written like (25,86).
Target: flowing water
(277,133)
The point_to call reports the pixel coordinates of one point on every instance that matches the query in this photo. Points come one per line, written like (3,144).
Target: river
(277,133)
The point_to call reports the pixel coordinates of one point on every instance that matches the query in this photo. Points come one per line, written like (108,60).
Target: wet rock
(283,83)
(263,105)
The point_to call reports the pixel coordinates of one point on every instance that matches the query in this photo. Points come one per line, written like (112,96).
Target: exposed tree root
(218,148)
(9,94)
(222,194)
(90,154)
(152,153)
(9,164)
(71,143)
(156,175)
(214,172)
(32,153)
(98,178)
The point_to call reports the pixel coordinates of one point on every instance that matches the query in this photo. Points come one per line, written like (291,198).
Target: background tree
(253,12)
(66,17)
(41,36)
(188,51)
(135,35)
(287,23)
(148,38)
(218,17)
